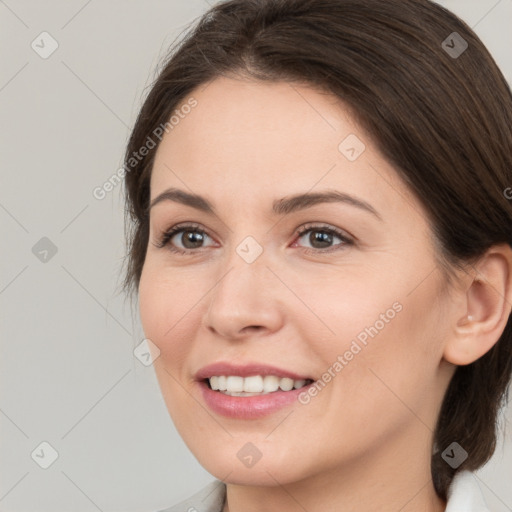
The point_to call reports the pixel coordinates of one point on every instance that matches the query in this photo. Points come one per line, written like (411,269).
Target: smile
(254,385)
(249,391)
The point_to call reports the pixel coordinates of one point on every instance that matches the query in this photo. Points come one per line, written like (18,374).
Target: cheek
(167,315)
(378,342)
(166,310)
(345,307)
(151,305)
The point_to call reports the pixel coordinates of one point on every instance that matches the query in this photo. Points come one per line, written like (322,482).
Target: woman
(320,239)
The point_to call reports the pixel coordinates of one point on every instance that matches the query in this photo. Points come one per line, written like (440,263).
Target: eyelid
(326,227)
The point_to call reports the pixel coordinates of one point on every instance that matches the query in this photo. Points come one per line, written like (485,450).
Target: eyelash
(169,234)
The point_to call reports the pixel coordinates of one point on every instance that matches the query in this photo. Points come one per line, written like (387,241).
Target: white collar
(464,494)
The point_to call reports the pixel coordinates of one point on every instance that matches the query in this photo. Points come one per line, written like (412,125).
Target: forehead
(258,138)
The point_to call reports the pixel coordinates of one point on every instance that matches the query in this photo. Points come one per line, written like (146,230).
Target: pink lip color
(251,407)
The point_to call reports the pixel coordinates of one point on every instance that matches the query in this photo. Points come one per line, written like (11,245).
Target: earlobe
(489,303)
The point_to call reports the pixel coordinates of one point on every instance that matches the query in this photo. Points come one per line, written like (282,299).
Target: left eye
(322,238)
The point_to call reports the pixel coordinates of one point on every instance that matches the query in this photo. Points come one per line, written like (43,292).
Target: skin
(364,442)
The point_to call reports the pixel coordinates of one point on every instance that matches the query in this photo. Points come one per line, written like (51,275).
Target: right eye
(183,238)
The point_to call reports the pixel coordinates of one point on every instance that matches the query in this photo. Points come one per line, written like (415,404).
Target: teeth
(254,385)
(299,383)
(270,384)
(286,384)
(235,384)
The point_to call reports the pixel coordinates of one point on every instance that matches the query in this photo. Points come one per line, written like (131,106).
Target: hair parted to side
(444,122)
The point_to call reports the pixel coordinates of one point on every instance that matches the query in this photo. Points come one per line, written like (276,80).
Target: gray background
(68,373)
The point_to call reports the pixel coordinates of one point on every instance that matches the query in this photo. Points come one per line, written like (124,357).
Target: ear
(489,303)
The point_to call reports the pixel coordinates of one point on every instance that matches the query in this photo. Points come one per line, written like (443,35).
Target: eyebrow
(281,206)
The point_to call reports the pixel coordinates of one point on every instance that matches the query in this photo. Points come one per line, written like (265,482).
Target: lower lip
(248,407)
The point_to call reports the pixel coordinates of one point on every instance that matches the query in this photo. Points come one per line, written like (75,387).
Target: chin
(239,462)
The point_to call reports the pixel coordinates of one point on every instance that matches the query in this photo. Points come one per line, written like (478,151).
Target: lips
(246,405)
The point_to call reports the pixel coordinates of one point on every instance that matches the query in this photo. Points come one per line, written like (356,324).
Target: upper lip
(246,370)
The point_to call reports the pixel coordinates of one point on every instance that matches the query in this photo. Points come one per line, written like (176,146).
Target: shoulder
(465,494)
(209,499)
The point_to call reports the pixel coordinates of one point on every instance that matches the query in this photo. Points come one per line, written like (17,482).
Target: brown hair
(443,119)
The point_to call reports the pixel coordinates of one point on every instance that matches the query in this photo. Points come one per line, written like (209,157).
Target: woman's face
(282,290)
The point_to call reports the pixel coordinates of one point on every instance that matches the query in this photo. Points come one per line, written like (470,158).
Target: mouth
(253,385)
(249,391)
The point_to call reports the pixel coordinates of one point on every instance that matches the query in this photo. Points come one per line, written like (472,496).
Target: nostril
(252,328)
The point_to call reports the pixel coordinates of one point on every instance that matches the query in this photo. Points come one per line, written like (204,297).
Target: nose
(246,300)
